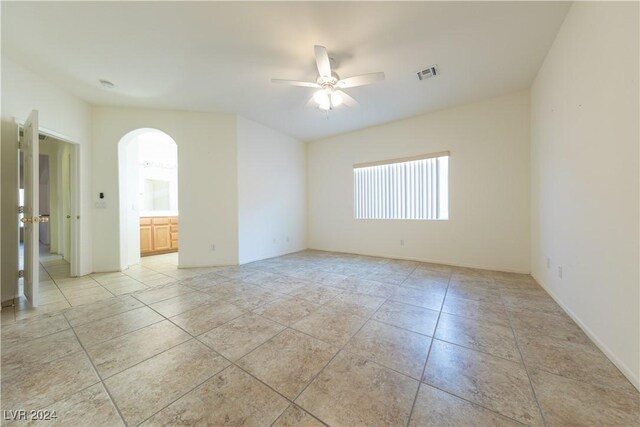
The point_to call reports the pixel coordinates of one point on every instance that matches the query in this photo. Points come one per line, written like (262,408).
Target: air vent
(427,73)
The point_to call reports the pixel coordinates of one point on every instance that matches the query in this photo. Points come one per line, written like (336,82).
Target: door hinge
(20,273)
(20,209)
(19,145)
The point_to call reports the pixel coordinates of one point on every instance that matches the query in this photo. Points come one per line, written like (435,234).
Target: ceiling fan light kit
(328,98)
(329,84)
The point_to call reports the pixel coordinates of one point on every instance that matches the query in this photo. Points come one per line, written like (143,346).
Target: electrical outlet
(287,239)
(401,242)
(560,272)
(212,247)
(548,263)
(274,241)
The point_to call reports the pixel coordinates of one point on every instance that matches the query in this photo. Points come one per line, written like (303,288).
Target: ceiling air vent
(427,73)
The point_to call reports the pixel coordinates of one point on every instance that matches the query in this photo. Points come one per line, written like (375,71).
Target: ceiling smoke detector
(427,73)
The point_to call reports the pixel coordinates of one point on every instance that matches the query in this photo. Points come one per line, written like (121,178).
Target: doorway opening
(56,245)
(148,182)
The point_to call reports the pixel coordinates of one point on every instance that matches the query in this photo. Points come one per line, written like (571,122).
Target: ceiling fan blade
(322,61)
(295,83)
(361,80)
(347,99)
(312,102)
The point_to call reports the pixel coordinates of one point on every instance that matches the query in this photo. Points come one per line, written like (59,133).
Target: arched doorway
(148,182)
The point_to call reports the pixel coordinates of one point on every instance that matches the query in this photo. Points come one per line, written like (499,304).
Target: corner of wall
(571,127)
(592,336)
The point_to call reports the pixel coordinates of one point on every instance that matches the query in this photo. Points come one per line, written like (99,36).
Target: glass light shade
(321,97)
(336,99)
(325,105)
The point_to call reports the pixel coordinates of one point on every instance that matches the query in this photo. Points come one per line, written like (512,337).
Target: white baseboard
(610,355)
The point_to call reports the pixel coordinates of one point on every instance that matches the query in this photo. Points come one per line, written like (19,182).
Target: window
(412,188)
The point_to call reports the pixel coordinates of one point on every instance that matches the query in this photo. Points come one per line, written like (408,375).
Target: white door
(31,219)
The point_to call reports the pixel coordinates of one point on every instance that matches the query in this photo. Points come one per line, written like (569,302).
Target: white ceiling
(220,57)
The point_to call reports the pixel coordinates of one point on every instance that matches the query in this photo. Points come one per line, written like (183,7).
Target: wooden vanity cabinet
(158,235)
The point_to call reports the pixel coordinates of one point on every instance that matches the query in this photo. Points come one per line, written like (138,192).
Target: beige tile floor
(310,338)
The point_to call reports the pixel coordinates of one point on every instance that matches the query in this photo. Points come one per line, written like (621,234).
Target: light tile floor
(310,338)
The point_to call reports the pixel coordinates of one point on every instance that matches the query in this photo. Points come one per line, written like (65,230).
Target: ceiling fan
(329,83)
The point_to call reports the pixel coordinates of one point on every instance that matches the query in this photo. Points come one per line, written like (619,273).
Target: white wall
(488,224)
(129,200)
(66,187)
(59,191)
(207,167)
(585,177)
(45,197)
(50,148)
(272,192)
(60,113)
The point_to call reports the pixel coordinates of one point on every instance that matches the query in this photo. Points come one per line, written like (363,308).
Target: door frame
(76,256)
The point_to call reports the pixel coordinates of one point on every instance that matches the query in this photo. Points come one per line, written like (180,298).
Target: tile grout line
(458,345)
(321,369)
(292,404)
(66,311)
(142,361)
(424,368)
(98,283)
(475,404)
(60,290)
(231,363)
(124,293)
(191,389)
(345,344)
(101,380)
(526,369)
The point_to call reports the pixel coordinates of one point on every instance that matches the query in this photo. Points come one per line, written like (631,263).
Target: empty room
(320,213)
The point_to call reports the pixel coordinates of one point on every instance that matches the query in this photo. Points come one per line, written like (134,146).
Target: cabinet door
(146,239)
(161,237)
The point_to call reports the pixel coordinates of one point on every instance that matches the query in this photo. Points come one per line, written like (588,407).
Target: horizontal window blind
(405,189)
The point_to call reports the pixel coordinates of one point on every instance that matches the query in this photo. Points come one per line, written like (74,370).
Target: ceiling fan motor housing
(331,81)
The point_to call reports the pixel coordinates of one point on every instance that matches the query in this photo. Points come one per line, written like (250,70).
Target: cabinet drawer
(145,221)
(160,221)
(174,220)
